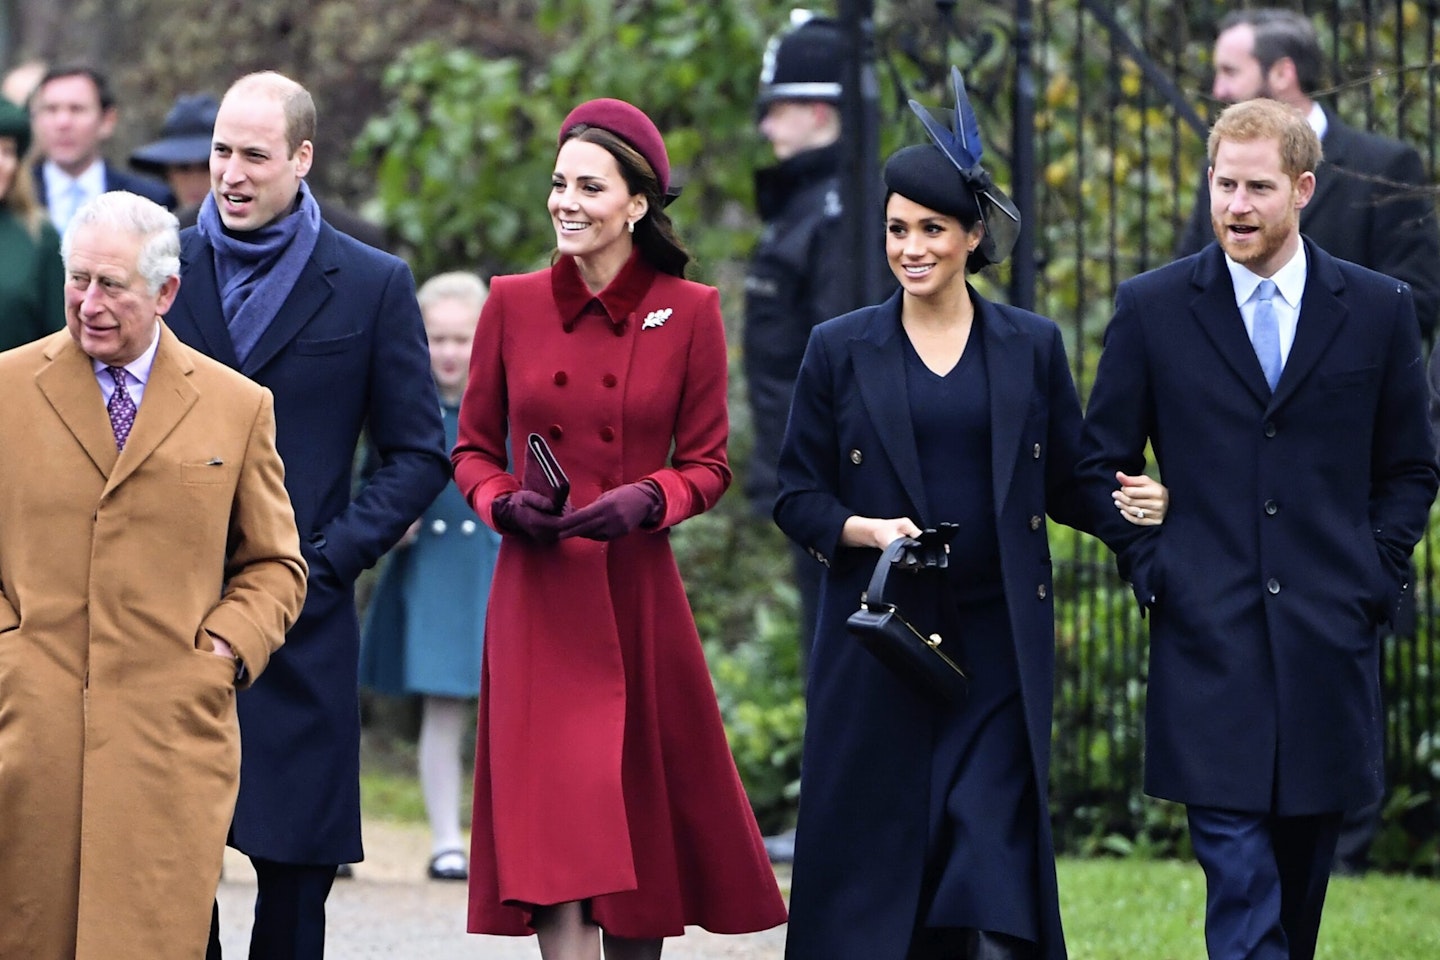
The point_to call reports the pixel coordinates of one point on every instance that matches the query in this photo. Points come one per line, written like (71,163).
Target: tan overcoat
(119,747)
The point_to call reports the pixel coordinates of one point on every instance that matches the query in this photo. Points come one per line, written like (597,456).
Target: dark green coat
(32,282)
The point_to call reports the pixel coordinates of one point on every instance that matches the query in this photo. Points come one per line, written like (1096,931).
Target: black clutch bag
(543,474)
(880,627)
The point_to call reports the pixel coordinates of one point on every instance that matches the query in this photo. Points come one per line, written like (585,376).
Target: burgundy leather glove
(529,514)
(616,512)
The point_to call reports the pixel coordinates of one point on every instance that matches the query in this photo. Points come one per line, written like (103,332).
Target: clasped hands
(609,516)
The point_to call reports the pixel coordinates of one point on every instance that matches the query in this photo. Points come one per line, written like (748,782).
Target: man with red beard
(1283,391)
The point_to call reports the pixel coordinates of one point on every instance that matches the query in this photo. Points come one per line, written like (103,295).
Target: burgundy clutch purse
(543,474)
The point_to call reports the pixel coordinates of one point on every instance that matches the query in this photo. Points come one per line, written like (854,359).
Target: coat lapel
(199,298)
(1322,313)
(312,289)
(879,358)
(68,383)
(169,395)
(1011,372)
(1332,167)
(1213,307)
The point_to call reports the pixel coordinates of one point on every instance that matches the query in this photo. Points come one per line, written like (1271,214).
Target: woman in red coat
(605,795)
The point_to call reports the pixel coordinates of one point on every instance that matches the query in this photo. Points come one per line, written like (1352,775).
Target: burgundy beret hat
(629,123)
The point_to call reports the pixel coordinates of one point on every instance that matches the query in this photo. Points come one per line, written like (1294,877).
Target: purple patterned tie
(121,407)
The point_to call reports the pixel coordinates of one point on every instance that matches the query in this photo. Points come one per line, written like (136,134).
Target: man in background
(797,275)
(149,565)
(74,113)
(332,327)
(1373,203)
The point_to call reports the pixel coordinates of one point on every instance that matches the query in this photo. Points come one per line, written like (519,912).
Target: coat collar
(68,383)
(199,297)
(618,300)
(1322,311)
(879,358)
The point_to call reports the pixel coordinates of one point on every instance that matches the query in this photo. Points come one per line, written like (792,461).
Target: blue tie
(1265,332)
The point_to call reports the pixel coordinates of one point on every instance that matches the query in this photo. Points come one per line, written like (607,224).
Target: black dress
(982,856)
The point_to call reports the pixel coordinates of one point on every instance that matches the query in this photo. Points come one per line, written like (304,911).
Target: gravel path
(391,910)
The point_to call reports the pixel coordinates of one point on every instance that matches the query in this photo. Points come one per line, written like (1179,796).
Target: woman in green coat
(32,278)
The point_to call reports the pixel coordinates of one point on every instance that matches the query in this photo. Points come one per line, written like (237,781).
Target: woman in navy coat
(924,829)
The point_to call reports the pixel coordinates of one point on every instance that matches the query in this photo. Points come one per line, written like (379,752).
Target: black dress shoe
(344,872)
(448,865)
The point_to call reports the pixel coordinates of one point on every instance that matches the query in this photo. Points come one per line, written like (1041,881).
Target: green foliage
(466,144)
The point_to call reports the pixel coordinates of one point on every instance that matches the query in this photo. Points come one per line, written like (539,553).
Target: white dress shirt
(61,193)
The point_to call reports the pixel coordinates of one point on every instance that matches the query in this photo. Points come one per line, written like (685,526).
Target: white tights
(442,725)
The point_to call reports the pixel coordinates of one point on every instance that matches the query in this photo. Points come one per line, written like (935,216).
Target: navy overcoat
(1291,519)
(850,449)
(347,351)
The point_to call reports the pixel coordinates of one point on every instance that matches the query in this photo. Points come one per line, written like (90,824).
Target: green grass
(1154,910)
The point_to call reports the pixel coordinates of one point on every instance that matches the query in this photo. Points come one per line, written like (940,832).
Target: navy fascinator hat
(946,175)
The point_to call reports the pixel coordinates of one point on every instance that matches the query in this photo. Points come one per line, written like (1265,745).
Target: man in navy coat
(331,326)
(1284,394)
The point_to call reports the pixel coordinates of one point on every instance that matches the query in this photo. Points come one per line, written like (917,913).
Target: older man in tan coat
(149,564)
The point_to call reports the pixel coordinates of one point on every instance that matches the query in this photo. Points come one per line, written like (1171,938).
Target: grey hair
(457,285)
(157,227)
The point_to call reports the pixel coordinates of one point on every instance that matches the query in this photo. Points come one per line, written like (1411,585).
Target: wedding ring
(1140,514)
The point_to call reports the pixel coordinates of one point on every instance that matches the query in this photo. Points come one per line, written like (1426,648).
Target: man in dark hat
(795,276)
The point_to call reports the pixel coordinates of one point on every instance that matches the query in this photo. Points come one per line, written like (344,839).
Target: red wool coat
(602,771)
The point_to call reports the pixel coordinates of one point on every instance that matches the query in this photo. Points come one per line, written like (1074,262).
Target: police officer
(797,276)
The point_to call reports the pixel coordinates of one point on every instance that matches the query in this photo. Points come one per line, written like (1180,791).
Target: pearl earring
(631,225)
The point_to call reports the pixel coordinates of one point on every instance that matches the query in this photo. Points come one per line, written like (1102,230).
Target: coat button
(1035,452)
(1040,592)
(560,378)
(1272,585)
(556,432)
(607,434)
(468,527)
(1035,523)
(1270,430)
(609,380)
(438,528)
(1271,508)
(856,457)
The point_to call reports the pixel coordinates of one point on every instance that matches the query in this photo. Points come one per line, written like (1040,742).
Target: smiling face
(253,175)
(1254,206)
(109,310)
(591,205)
(927,250)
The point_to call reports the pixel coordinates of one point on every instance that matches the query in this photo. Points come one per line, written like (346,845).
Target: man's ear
(108,119)
(304,157)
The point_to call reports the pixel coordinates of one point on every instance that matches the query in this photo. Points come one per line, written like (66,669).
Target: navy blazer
(1372,206)
(849,450)
(1290,524)
(346,353)
(116,179)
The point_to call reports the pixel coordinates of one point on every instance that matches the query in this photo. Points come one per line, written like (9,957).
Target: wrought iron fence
(1121,90)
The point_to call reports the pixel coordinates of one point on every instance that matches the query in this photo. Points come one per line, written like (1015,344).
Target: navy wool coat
(1291,519)
(850,449)
(347,351)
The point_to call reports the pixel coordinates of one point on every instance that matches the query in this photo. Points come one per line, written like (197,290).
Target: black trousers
(289,912)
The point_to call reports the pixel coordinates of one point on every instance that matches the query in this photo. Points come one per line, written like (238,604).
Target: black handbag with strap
(878,624)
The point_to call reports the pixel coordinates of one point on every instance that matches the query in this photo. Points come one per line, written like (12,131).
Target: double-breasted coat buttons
(856,457)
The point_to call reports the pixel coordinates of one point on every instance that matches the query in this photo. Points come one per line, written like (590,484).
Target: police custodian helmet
(804,62)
